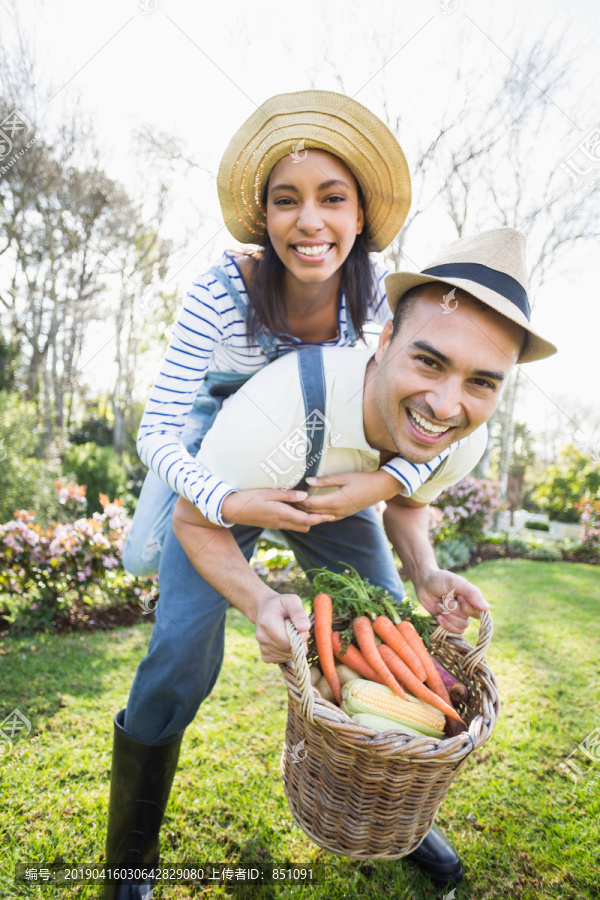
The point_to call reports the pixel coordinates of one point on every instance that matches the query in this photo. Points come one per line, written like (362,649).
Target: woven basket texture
(369,795)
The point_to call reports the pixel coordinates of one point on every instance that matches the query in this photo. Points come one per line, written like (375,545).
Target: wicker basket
(367,795)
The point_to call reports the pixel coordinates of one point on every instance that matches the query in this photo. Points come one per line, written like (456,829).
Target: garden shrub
(26,476)
(468,509)
(537,526)
(517,547)
(453,552)
(574,476)
(46,571)
(136,472)
(546,554)
(580,552)
(459,519)
(589,511)
(101,470)
(93,430)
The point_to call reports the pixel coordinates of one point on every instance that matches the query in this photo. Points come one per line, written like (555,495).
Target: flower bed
(49,573)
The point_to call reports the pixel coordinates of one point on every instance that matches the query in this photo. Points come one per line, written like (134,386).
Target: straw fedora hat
(491,267)
(321,120)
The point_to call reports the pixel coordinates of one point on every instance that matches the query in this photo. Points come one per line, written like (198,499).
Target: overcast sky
(197,70)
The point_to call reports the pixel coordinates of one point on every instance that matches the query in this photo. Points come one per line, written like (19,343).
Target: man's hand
(450,598)
(271,632)
(356,491)
(270,508)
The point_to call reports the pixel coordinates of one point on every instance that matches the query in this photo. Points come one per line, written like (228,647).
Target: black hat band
(499,282)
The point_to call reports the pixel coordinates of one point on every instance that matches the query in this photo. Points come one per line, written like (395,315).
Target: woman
(318,181)
(313,282)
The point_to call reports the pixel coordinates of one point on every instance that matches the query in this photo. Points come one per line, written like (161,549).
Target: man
(436,378)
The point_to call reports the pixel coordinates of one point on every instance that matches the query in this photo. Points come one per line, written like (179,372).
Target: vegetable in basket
(455,724)
(363,631)
(401,662)
(344,675)
(400,644)
(432,678)
(381,723)
(459,693)
(323,611)
(360,696)
(353,658)
(353,596)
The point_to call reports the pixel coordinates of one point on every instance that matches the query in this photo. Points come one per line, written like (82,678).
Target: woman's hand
(356,491)
(270,508)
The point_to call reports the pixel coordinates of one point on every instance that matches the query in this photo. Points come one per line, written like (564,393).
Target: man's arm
(214,553)
(447,596)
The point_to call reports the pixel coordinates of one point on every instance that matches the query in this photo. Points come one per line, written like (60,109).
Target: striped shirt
(210,334)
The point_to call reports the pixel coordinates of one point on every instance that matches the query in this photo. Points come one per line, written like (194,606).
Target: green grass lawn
(524,830)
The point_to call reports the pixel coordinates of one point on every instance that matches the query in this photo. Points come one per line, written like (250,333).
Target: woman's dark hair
(266,307)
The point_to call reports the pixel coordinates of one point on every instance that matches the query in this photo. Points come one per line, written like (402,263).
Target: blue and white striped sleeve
(198,329)
(412,476)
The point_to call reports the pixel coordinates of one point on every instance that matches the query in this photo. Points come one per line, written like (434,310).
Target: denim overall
(186,648)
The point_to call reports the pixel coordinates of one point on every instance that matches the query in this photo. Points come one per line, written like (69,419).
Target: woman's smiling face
(313,214)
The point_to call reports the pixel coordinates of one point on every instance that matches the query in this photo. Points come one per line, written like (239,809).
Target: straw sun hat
(491,267)
(321,120)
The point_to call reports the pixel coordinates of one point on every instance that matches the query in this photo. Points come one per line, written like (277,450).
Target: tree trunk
(119,428)
(514,490)
(507,431)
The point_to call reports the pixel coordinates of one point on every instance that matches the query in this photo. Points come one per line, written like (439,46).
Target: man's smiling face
(440,377)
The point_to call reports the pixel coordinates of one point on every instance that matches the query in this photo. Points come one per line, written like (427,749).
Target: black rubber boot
(141,778)
(437,857)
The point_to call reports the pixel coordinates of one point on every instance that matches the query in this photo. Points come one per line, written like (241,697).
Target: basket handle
(472,659)
(307,699)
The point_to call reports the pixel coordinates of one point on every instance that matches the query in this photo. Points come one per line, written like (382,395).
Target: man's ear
(384,340)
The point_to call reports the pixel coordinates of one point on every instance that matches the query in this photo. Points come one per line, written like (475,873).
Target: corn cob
(361,696)
(382,723)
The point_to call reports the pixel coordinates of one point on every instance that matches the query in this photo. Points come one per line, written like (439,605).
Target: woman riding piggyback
(316,182)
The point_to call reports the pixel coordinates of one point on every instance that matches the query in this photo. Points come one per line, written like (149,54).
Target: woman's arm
(214,553)
(196,333)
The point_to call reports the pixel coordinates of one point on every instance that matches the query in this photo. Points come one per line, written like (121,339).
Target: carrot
(419,690)
(384,627)
(365,636)
(354,658)
(432,677)
(401,671)
(323,609)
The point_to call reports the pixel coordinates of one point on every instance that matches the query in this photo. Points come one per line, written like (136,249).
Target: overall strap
(265,342)
(314,392)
